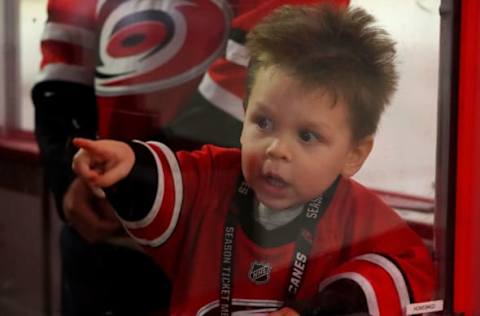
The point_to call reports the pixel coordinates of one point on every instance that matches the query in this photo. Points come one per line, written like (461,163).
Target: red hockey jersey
(146,58)
(179,216)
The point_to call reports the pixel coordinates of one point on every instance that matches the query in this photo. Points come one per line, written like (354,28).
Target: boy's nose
(278,149)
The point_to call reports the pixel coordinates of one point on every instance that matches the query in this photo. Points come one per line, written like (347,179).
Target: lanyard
(311,214)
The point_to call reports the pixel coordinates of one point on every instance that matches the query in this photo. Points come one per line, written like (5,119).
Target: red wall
(467,226)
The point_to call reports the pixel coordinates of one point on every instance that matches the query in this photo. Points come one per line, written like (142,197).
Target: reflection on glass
(121,53)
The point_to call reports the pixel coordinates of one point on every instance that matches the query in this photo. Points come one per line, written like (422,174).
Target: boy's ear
(357,156)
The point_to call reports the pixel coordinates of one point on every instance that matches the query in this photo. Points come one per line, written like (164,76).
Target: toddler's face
(295,142)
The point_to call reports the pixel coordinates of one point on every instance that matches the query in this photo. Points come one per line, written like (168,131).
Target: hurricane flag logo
(151,45)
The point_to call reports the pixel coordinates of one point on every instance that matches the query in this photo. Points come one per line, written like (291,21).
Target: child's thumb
(81,165)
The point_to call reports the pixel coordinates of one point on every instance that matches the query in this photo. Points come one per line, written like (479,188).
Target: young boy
(278,225)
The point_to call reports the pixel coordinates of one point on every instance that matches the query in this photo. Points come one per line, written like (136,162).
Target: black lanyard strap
(226,272)
(312,212)
(303,245)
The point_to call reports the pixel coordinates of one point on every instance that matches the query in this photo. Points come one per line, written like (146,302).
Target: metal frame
(445,197)
(457,214)
(10,118)
(11,71)
(2,66)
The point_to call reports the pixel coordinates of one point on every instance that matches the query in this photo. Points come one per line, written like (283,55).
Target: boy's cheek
(250,163)
(245,131)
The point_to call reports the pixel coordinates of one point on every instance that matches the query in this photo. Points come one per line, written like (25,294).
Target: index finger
(91,146)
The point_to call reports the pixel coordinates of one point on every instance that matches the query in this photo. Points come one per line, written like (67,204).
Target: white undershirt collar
(271,218)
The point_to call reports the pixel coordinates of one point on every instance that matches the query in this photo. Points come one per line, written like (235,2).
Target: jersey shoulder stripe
(160,221)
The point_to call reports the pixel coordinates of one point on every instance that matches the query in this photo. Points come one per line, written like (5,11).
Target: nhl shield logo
(259,272)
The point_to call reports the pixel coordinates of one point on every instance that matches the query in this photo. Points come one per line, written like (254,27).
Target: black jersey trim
(203,123)
(133,196)
(278,236)
(238,35)
(341,297)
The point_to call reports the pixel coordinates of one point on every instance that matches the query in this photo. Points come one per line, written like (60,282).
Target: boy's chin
(277,205)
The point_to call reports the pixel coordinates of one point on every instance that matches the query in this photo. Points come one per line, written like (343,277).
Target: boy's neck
(273,218)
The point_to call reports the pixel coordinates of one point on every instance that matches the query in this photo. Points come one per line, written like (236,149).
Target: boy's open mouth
(275,181)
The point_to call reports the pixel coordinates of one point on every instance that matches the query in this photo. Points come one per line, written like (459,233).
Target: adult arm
(63,110)
(63,96)
(65,107)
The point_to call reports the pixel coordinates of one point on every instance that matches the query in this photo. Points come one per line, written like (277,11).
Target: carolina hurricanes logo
(149,45)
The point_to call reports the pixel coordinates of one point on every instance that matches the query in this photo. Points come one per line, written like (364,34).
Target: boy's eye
(308,136)
(264,123)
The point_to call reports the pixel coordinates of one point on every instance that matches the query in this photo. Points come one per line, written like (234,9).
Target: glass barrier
(175,72)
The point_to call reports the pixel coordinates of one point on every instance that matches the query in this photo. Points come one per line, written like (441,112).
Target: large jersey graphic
(146,58)
(148,45)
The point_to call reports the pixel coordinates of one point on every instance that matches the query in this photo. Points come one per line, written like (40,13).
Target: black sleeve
(133,197)
(63,110)
(340,298)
